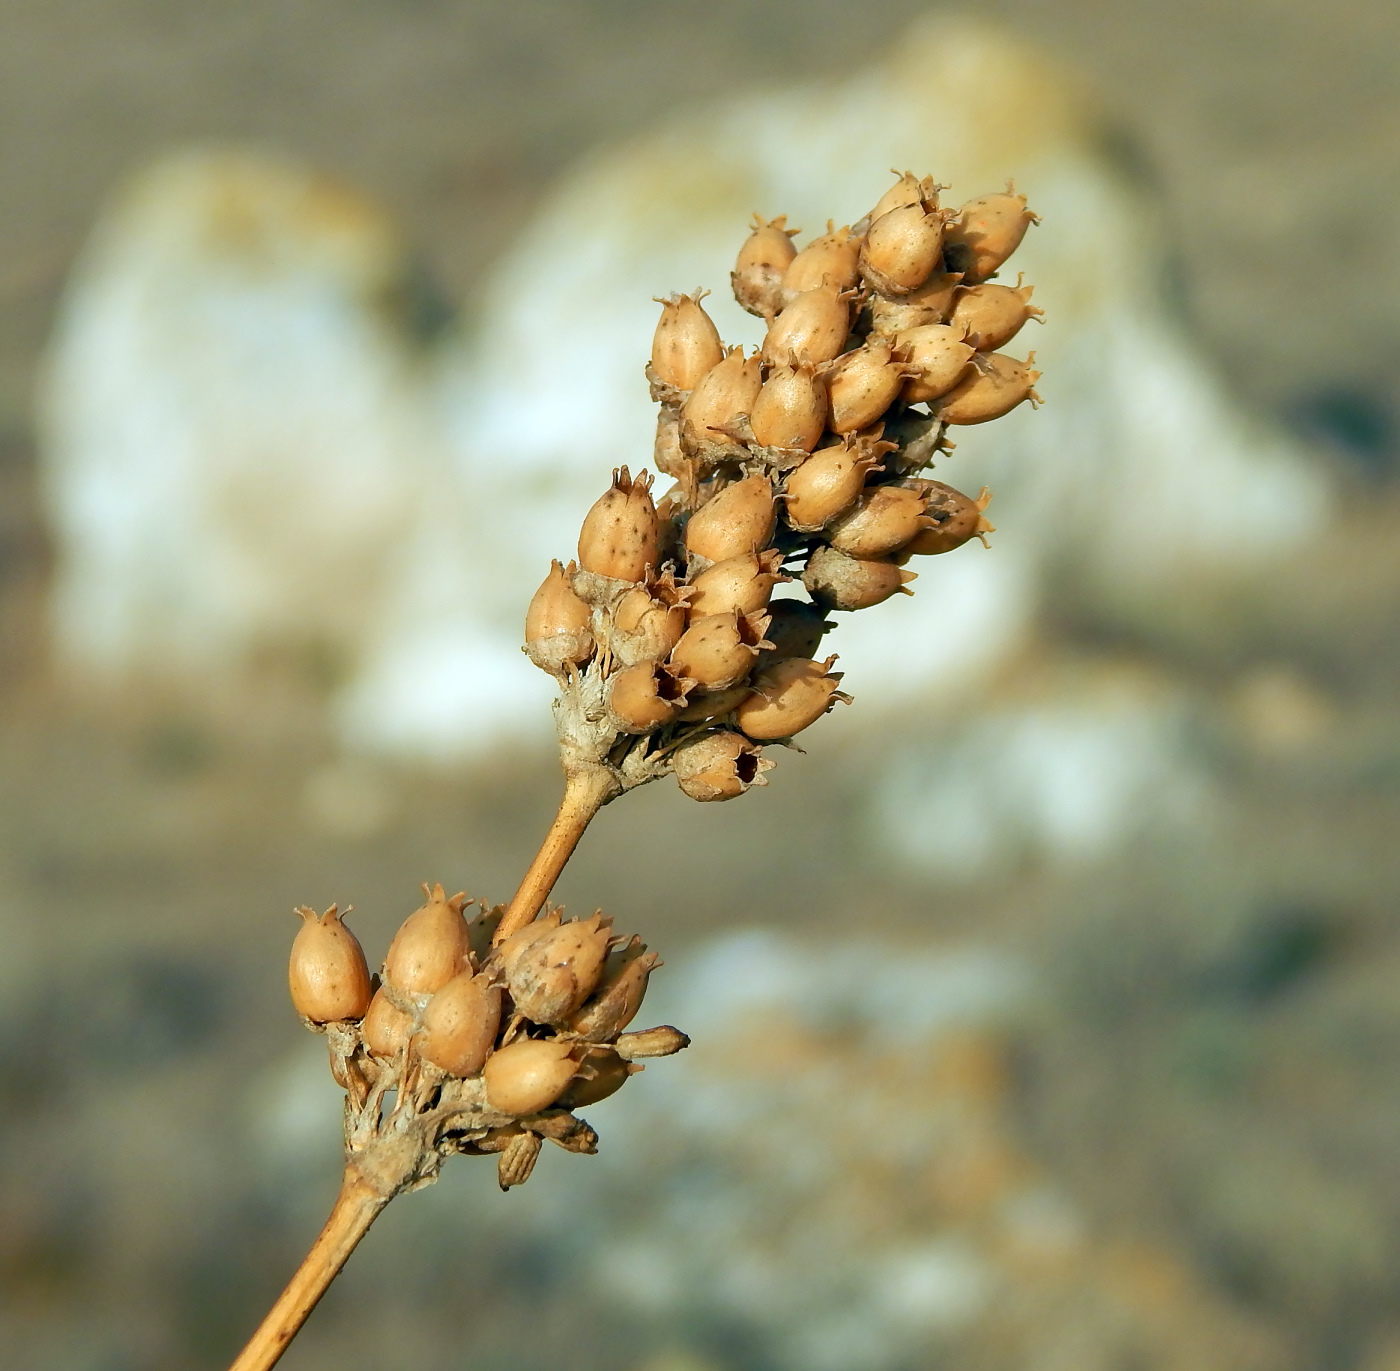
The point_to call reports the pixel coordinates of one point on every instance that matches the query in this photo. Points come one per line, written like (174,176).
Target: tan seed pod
(686,343)
(386,1028)
(739,585)
(812,328)
(663,1041)
(795,628)
(863,385)
(528,1075)
(608,1074)
(791,408)
(648,622)
(882,521)
(557,632)
(327,973)
(737,521)
(957,519)
(788,697)
(432,945)
(931,303)
(726,391)
(712,704)
(552,977)
(832,260)
(765,256)
(908,190)
(645,696)
(827,482)
(993,315)
(840,582)
(719,766)
(619,994)
(718,650)
(460,1024)
(507,951)
(985,233)
(621,535)
(937,356)
(996,385)
(902,248)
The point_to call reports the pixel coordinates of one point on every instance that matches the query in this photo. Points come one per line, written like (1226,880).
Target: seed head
(327,974)
(648,622)
(712,704)
(663,1041)
(602,1074)
(726,391)
(386,1027)
(908,190)
(432,945)
(645,696)
(863,385)
(795,628)
(619,994)
(956,519)
(621,534)
(687,343)
(719,766)
(931,303)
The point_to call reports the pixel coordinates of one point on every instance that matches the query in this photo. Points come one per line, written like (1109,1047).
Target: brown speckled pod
(882,521)
(931,303)
(619,994)
(812,328)
(986,232)
(791,408)
(908,190)
(460,1024)
(938,357)
(386,1028)
(432,945)
(739,520)
(621,534)
(722,394)
(958,518)
(996,385)
(645,696)
(712,704)
(528,1075)
(514,946)
(840,582)
(795,628)
(826,483)
(831,260)
(609,1074)
(993,315)
(557,632)
(719,766)
(557,972)
(648,622)
(765,256)
(327,974)
(686,343)
(902,248)
(788,697)
(738,584)
(863,385)
(718,650)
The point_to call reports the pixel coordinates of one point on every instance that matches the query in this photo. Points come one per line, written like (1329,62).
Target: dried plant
(673,658)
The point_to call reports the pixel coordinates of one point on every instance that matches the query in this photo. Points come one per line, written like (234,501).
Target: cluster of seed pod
(800,462)
(488,1048)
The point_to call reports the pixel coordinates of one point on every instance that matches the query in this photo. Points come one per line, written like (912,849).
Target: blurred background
(1044,1011)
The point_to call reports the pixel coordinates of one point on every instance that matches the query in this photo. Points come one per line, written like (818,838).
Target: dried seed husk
(712,704)
(958,518)
(789,696)
(645,696)
(996,385)
(993,315)
(609,1075)
(931,303)
(902,248)
(813,327)
(795,628)
(738,584)
(327,973)
(667,451)
(386,1028)
(938,356)
(827,482)
(985,233)
(621,535)
(432,945)
(833,260)
(758,272)
(840,582)
(558,971)
(863,385)
(528,1075)
(647,623)
(517,1159)
(908,190)
(739,520)
(718,650)
(557,623)
(619,994)
(662,1041)
(726,391)
(791,408)
(882,521)
(460,1024)
(686,343)
(719,766)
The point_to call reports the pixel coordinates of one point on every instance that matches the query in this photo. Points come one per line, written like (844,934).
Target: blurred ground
(1212,1065)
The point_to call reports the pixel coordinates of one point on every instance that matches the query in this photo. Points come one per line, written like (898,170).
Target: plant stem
(586,791)
(356,1207)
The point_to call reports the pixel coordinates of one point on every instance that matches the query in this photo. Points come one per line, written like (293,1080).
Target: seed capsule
(687,343)
(840,582)
(621,534)
(648,623)
(740,585)
(460,1024)
(505,954)
(726,391)
(619,994)
(327,974)
(831,260)
(826,483)
(737,521)
(788,697)
(902,248)
(938,357)
(863,385)
(993,315)
(712,704)
(516,1160)
(996,386)
(610,1074)
(880,522)
(662,1041)
(985,233)
(386,1028)
(765,256)
(812,328)
(718,650)
(645,696)
(795,628)
(718,766)
(557,633)
(791,408)
(557,972)
(908,190)
(528,1075)
(432,945)
(958,519)
(931,303)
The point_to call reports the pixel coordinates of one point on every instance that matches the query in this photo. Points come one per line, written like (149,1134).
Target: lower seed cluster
(800,462)
(482,1048)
